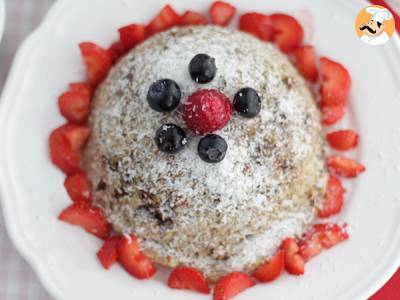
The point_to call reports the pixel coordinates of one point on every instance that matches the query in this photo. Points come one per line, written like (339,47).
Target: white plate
(64,256)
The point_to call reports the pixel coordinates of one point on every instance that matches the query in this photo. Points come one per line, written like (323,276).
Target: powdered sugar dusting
(222,217)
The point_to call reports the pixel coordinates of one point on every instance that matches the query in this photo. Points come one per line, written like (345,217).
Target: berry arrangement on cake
(202,148)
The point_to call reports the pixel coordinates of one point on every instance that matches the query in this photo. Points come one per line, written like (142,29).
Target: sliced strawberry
(333,198)
(65,143)
(331,114)
(87,216)
(133,260)
(132,35)
(76,135)
(221,13)
(108,253)
(61,153)
(75,106)
(232,284)
(81,87)
(294,263)
(192,18)
(78,187)
(97,60)
(165,19)
(288,33)
(271,270)
(257,24)
(321,236)
(306,62)
(331,234)
(342,139)
(189,279)
(344,166)
(116,51)
(336,82)
(310,248)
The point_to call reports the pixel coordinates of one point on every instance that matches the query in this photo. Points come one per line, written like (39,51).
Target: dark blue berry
(170,138)
(247,103)
(164,95)
(202,68)
(212,148)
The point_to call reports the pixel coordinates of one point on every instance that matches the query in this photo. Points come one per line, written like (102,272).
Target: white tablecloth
(17,280)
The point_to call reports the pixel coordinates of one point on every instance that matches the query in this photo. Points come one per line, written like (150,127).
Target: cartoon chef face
(375,26)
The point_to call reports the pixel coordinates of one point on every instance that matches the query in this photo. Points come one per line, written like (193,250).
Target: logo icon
(375,25)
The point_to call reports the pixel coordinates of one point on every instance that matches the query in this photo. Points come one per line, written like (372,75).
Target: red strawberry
(335,84)
(288,33)
(206,111)
(192,18)
(310,247)
(257,24)
(232,284)
(271,270)
(294,263)
(116,51)
(165,19)
(97,60)
(321,236)
(331,114)
(87,216)
(342,139)
(189,279)
(331,234)
(83,87)
(344,166)
(221,13)
(333,198)
(78,187)
(75,106)
(61,152)
(132,35)
(64,144)
(108,253)
(306,63)
(76,135)
(133,260)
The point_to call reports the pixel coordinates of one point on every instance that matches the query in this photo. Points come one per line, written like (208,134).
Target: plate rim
(12,226)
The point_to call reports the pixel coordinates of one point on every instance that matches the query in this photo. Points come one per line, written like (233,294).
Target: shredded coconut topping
(215,217)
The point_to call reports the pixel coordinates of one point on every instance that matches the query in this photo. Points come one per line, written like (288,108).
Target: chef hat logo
(379,14)
(375,25)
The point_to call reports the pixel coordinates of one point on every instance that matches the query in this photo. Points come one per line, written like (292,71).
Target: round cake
(218,218)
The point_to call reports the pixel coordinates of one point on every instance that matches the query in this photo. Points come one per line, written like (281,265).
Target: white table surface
(17,280)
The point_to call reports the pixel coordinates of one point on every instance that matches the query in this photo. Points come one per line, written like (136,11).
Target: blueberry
(247,103)
(170,138)
(212,148)
(164,95)
(202,68)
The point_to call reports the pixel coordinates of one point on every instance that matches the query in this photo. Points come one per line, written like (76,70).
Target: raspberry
(206,111)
